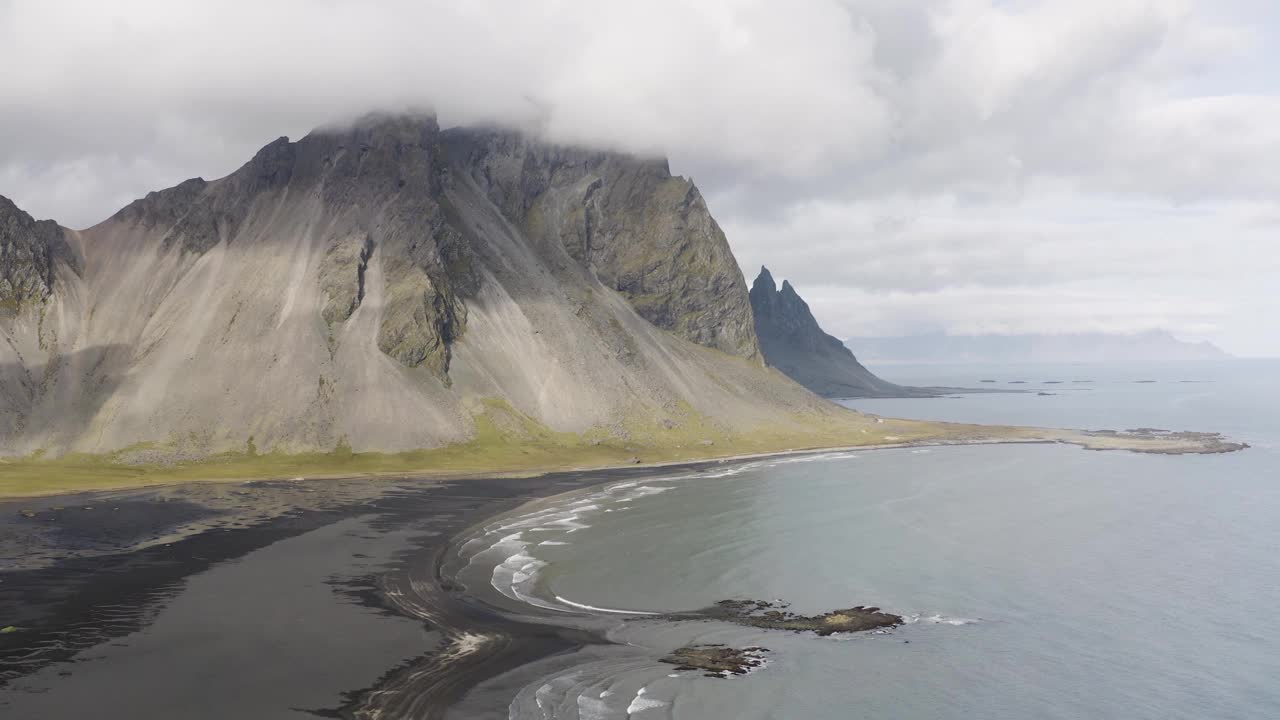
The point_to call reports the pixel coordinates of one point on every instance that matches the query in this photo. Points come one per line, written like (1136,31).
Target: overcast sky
(910,165)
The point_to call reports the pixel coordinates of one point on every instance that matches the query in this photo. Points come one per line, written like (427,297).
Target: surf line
(604,610)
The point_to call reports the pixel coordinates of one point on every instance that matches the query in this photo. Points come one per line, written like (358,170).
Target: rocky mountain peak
(389,185)
(623,219)
(29,251)
(385,153)
(764,280)
(792,341)
(379,285)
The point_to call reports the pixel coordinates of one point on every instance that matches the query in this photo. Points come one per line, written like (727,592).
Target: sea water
(1037,581)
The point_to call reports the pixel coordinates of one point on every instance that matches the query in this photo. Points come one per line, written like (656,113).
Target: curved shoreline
(111,563)
(480,640)
(1142,440)
(207,524)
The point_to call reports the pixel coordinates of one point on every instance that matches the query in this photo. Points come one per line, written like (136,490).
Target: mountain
(30,252)
(1153,346)
(387,286)
(792,341)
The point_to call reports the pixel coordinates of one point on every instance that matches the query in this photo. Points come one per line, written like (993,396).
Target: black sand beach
(258,600)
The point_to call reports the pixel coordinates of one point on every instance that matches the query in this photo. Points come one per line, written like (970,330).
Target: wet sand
(260,600)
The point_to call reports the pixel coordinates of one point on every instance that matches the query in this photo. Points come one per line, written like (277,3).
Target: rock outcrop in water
(716,661)
(774,615)
(386,286)
(793,342)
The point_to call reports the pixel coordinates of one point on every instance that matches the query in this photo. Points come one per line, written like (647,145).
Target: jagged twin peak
(381,284)
(792,341)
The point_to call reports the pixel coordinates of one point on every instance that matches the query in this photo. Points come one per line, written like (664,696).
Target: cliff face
(626,221)
(380,184)
(792,341)
(382,286)
(29,253)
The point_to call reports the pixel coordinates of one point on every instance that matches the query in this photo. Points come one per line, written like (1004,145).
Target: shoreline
(162,538)
(107,583)
(1143,440)
(112,548)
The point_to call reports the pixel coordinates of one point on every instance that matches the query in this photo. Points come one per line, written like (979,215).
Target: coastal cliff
(793,342)
(624,220)
(388,286)
(386,296)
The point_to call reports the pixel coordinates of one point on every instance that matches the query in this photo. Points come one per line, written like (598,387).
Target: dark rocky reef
(793,342)
(625,219)
(721,661)
(716,661)
(29,252)
(775,616)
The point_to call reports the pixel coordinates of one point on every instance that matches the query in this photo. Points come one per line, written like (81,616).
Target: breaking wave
(921,619)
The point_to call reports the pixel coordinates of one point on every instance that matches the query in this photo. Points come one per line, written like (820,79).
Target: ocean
(1039,581)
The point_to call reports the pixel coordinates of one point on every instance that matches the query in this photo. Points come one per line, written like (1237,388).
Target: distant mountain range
(1152,346)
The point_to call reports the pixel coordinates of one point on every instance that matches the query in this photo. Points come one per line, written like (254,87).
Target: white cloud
(936,159)
(970,310)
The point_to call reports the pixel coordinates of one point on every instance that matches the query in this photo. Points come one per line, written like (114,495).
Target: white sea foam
(817,457)
(646,491)
(590,708)
(730,471)
(571,524)
(917,618)
(641,703)
(516,575)
(593,608)
(541,695)
(467,643)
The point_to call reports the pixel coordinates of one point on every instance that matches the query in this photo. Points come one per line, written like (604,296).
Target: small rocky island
(723,661)
(775,616)
(717,660)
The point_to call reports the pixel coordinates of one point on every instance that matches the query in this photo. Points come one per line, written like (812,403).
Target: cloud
(1059,263)
(976,310)
(714,82)
(915,244)
(925,151)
